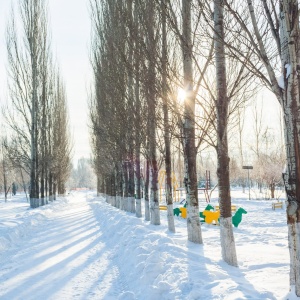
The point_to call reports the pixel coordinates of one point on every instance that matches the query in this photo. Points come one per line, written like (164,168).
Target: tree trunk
(54,190)
(137,54)
(107,188)
(46,188)
(51,187)
(113,189)
(272,190)
(151,103)
(24,185)
(131,116)
(33,175)
(98,184)
(146,192)
(33,44)
(119,191)
(4,175)
(43,187)
(222,103)
(131,199)
(125,193)
(103,185)
(193,220)
(289,40)
(289,102)
(138,211)
(168,190)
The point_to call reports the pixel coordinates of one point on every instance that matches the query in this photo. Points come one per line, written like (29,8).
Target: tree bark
(168,189)
(289,40)
(131,198)
(151,104)
(222,103)
(146,192)
(126,183)
(137,54)
(193,220)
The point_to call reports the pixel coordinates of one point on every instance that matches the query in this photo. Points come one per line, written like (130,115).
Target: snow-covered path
(63,257)
(84,248)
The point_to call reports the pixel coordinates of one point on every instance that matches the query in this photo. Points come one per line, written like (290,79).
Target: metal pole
(249,183)
(248,168)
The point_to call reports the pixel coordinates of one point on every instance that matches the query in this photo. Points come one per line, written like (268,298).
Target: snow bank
(83,248)
(15,227)
(157,264)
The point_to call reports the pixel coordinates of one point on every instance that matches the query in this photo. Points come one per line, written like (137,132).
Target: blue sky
(70,30)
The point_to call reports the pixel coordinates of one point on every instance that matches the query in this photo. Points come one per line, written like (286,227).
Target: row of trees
(37,139)
(11,178)
(144,51)
(82,176)
(140,59)
(262,146)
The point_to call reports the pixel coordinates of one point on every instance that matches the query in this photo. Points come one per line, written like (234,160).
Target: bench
(277,205)
(233,207)
(163,207)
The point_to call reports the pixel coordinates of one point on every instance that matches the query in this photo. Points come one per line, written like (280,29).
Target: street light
(248,168)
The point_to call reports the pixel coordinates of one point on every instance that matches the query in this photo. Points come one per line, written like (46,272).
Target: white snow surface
(288,70)
(80,247)
(280,81)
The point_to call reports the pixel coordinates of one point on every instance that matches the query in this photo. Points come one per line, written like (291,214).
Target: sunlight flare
(181,94)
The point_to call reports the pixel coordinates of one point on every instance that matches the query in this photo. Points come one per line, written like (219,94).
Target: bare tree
(193,220)
(167,140)
(32,84)
(274,37)
(6,170)
(222,103)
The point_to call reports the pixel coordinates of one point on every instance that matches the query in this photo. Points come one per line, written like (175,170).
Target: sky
(70,30)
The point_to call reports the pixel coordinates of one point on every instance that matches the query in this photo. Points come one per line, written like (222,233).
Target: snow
(288,70)
(80,247)
(280,81)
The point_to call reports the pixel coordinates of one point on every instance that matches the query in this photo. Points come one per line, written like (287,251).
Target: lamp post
(248,168)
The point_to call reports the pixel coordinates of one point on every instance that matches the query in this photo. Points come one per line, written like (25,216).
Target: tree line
(36,141)
(219,53)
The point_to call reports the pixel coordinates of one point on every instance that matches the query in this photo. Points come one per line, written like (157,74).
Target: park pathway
(63,257)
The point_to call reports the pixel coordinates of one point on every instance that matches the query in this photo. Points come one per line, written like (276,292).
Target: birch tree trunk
(125,192)
(289,41)
(222,103)
(119,185)
(193,220)
(138,201)
(168,191)
(4,174)
(50,186)
(33,54)
(98,184)
(137,53)
(151,103)
(146,192)
(288,96)
(131,199)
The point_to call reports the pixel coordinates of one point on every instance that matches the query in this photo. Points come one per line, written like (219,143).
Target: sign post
(248,168)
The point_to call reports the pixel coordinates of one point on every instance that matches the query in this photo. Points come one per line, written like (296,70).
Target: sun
(181,94)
